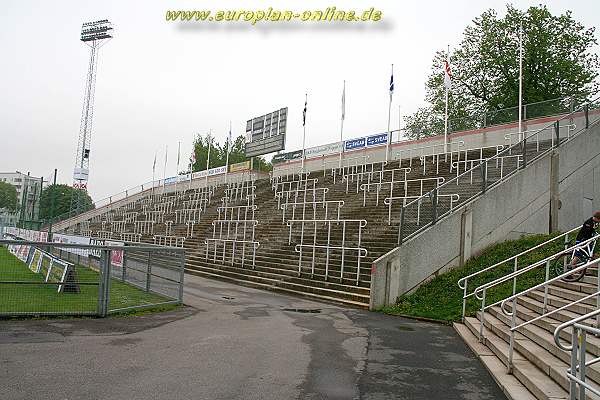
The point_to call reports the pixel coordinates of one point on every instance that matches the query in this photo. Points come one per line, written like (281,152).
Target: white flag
(447,76)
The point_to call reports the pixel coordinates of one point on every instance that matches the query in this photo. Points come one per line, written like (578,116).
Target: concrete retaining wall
(559,191)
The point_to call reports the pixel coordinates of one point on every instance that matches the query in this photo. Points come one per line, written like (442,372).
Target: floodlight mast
(94,34)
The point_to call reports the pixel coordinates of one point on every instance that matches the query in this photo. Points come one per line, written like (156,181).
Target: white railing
(131,237)
(429,150)
(314,206)
(343,246)
(359,176)
(453,200)
(366,187)
(167,240)
(463,283)
(579,362)
(480,292)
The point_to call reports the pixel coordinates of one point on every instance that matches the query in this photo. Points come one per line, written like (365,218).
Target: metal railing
(43,278)
(463,282)
(480,292)
(312,240)
(366,187)
(427,150)
(579,363)
(562,131)
(373,175)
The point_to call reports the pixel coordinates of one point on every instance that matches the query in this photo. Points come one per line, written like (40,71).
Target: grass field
(441,298)
(44,298)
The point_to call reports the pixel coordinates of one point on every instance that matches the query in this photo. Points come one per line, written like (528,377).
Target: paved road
(239,343)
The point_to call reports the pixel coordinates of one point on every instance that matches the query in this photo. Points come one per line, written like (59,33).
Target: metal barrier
(343,244)
(480,292)
(366,187)
(537,148)
(359,176)
(577,371)
(168,240)
(463,282)
(236,226)
(42,278)
(430,150)
(314,205)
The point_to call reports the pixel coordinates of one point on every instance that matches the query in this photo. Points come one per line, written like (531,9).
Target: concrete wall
(569,175)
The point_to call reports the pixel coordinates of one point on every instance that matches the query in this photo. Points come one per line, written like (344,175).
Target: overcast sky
(160,82)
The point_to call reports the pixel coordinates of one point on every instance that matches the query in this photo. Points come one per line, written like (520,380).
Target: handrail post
(574,343)
(582,346)
(511,347)
(586,112)
(434,205)
(482,316)
(483,176)
(400,236)
(557,133)
(545,309)
(524,144)
(464,305)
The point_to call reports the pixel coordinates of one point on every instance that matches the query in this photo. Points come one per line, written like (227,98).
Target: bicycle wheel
(563,264)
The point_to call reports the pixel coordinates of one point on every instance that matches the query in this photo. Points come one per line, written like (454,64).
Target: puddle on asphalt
(406,328)
(303,310)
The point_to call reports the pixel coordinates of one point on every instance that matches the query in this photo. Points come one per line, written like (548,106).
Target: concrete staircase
(539,366)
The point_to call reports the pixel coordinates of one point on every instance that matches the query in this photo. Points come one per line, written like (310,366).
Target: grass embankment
(441,298)
(44,298)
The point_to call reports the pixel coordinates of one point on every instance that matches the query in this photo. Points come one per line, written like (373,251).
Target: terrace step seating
(315,234)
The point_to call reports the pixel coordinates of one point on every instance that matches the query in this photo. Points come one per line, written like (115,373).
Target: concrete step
(530,376)
(512,388)
(266,286)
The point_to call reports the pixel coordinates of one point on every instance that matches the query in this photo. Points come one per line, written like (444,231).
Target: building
(28,196)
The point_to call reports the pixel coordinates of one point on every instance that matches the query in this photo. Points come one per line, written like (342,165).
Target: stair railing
(481,291)
(464,281)
(521,147)
(577,371)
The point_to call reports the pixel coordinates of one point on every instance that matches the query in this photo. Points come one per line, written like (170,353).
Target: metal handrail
(521,271)
(518,146)
(463,282)
(578,345)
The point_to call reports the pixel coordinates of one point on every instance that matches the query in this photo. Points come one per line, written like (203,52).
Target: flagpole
(304,130)
(177,169)
(191,163)
(153,171)
(446,108)
(227,157)
(165,168)
(520,82)
(208,157)
(387,147)
(342,123)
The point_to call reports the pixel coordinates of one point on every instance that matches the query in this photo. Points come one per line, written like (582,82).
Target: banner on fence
(331,148)
(72,239)
(353,144)
(116,256)
(377,140)
(241,166)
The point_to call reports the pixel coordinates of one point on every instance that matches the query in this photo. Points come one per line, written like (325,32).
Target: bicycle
(563,264)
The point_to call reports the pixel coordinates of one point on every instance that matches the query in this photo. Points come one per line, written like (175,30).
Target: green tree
(8,196)
(55,201)
(558,61)
(218,154)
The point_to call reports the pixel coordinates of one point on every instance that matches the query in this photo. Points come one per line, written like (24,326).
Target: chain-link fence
(39,278)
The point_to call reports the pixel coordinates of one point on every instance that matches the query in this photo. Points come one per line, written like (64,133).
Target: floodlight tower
(94,35)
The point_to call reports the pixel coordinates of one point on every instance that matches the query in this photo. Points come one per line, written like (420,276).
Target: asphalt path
(234,342)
